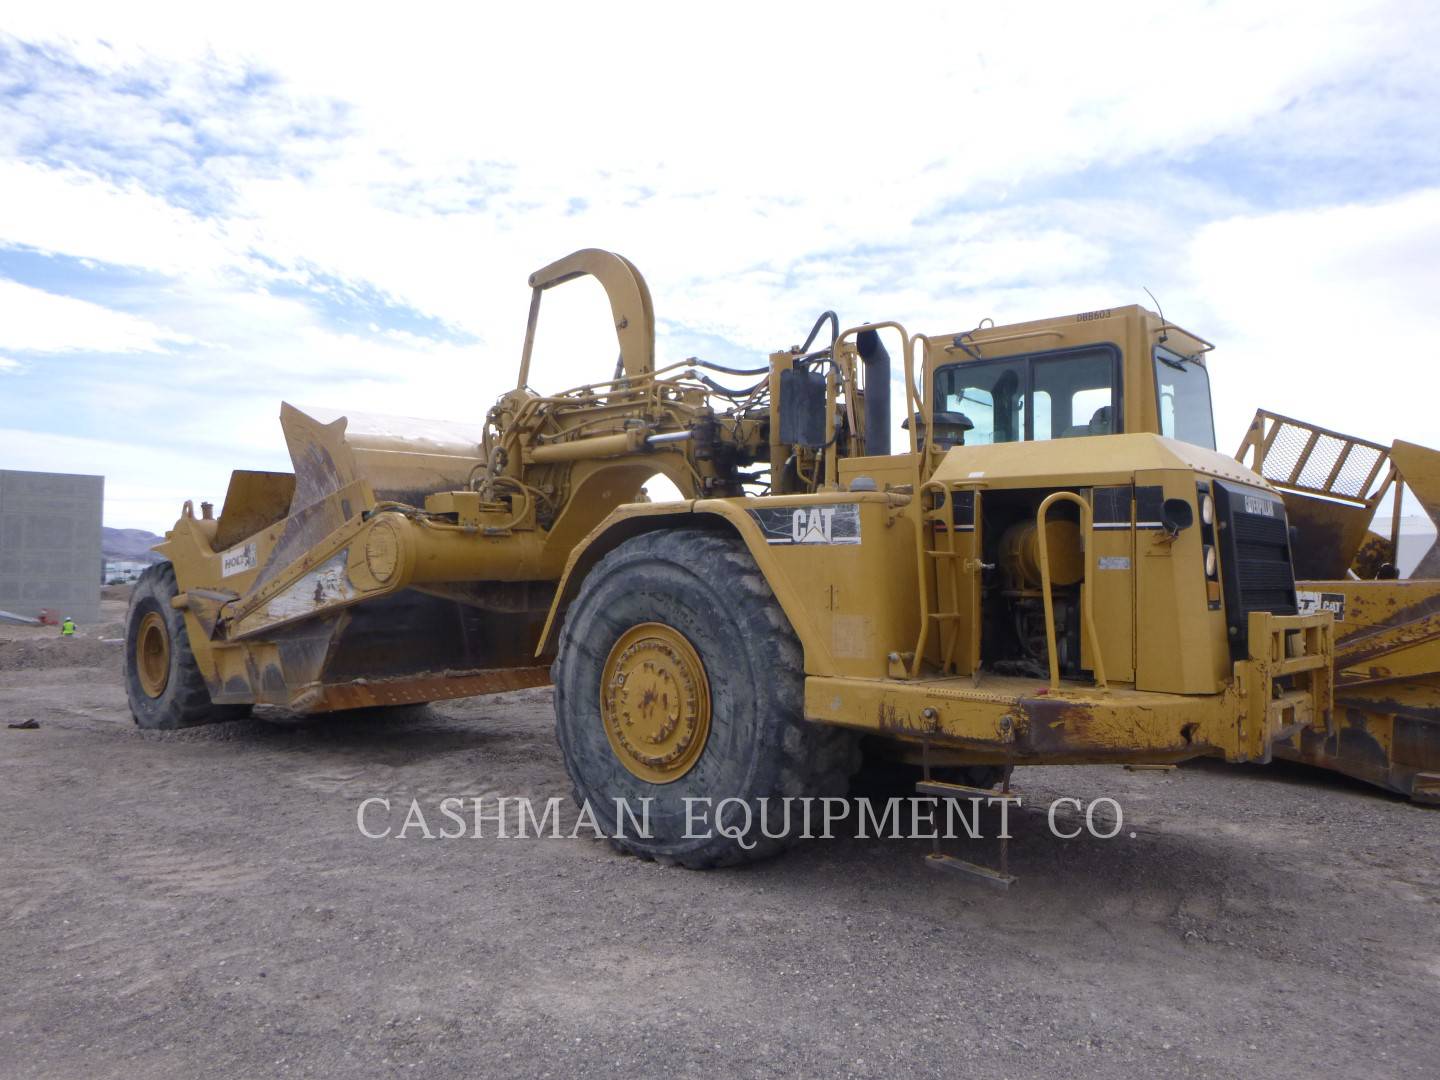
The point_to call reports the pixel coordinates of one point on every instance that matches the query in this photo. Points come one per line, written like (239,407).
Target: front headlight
(1207,510)
(1212,565)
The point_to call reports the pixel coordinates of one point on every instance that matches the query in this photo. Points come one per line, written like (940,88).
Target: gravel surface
(202,903)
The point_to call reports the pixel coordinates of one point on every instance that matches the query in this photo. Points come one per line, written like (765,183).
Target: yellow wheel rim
(655,703)
(152,654)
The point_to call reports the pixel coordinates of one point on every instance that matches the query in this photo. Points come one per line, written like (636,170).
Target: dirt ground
(202,903)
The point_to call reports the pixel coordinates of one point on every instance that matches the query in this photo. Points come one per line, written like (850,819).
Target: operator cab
(1099,373)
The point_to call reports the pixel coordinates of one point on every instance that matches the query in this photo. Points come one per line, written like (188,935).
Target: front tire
(678,676)
(162,679)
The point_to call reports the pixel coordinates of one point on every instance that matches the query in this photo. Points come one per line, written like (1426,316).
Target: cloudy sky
(204,214)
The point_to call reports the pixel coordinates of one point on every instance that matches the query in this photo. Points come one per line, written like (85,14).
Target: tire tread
(807,757)
(186,701)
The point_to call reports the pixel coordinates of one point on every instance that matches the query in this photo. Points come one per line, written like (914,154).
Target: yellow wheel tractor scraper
(1039,576)
(1387,630)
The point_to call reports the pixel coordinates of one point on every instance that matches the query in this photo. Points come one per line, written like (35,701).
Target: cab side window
(1081,385)
(990,394)
(1060,395)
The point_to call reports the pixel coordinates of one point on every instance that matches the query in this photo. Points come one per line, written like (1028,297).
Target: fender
(728,515)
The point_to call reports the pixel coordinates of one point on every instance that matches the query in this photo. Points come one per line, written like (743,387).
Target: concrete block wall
(50,543)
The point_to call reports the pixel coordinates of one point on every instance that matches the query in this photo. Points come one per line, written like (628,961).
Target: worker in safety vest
(67,628)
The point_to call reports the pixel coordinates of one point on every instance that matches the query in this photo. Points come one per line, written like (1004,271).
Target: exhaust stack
(877,391)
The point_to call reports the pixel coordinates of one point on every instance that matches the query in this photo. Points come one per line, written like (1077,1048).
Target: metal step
(960,791)
(996,879)
(983,874)
(1426,788)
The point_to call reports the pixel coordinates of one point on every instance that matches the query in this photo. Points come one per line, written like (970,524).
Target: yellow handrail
(1087,594)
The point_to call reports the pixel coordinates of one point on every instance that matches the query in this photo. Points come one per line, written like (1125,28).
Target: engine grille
(1255,558)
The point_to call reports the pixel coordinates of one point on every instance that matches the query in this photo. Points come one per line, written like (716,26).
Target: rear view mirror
(1176,516)
(802,408)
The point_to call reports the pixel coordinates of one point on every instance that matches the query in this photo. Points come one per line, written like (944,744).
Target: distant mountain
(131,544)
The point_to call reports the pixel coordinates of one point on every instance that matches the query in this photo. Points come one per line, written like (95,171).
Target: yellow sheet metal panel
(1181,642)
(1105,459)
(848,563)
(1115,597)
(1420,468)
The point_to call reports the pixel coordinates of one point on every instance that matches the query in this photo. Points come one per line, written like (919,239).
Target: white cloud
(33,320)
(935,164)
(1327,314)
(71,212)
(748,164)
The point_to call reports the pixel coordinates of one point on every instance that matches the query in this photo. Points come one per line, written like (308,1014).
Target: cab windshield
(1055,395)
(1182,388)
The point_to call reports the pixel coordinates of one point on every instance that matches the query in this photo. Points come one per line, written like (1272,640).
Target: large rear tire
(162,679)
(678,676)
